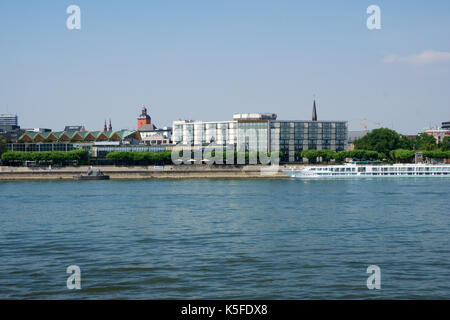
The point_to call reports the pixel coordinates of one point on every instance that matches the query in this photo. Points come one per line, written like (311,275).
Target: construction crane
(364,124)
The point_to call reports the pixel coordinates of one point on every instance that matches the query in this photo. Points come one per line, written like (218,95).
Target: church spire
(105,128)
(314,111)
(110,126)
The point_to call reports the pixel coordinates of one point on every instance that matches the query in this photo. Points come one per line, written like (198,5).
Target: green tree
(340,156)
(424,142)
(326,155)
(402,155)
(406,143)
(311,155)
(52,157)
(436,154)
(2,145)
(445,144)
(139,158)
(382,140)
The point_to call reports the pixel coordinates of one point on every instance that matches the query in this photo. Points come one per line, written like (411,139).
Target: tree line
(18,158)
(139,158)
(314,156)
(385,140)
(165,157)
(397,147)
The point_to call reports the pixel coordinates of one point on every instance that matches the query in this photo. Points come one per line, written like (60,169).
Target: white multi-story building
(438,133)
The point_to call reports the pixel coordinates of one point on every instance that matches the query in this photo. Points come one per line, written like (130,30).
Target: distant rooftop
(254,116)
(37,130)
(148,127)
(74,128)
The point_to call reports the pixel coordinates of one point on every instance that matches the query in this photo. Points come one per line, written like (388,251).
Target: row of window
(40,147)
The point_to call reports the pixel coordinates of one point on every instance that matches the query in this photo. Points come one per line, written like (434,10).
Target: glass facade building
(296,136)
(42,147)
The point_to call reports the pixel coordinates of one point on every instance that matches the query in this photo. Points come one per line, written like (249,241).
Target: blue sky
(206,60)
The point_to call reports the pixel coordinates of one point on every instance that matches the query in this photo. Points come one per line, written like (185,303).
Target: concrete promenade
(143,172)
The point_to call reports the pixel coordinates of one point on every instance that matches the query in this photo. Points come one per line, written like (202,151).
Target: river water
(226,239)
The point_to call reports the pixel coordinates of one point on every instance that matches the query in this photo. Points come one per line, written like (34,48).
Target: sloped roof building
(78,136)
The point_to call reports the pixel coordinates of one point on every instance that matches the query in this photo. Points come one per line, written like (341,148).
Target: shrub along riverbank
(81,157)
(402,155)
(165,157)
(140,158)
(74,157)
(313,156)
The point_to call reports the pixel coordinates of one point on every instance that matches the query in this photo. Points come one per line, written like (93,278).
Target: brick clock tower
(144,118)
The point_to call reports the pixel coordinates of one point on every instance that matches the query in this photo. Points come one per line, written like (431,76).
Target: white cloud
(429,56)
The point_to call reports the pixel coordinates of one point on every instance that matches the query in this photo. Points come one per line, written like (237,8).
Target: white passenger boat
(356,170)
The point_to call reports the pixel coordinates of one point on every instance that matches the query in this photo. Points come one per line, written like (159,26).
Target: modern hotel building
(263,132)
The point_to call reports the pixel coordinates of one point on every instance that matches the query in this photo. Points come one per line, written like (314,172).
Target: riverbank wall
(144,172)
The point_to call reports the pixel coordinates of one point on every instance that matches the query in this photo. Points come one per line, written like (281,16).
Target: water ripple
(225,239)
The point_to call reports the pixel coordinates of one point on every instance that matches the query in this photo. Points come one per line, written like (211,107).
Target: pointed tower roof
(314,111)
(144,114)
